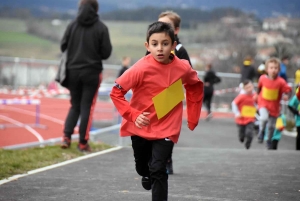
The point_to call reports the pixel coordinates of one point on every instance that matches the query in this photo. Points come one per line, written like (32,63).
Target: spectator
(87,42)
(210,79)
(125,65)
(283,67)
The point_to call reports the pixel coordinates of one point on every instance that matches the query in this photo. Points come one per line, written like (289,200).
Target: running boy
(154,129)
(279,127)
(294,106)
(271,88)
(244,109)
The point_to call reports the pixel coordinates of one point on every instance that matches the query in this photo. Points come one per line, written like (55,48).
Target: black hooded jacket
(87,40)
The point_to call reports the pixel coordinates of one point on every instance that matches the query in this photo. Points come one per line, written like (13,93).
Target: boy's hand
(285,97)
(142,120)
(238,116)
(281,129)
(255,96)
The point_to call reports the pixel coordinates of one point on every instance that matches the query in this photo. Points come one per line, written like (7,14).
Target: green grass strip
(14,162)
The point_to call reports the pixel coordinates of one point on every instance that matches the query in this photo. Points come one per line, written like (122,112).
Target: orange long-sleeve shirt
(146,79)
(271,92)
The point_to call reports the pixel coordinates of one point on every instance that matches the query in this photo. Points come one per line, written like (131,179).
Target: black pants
(150,160)
(298,138)
(274,144)
(246,131)
(208,95)
(83,86)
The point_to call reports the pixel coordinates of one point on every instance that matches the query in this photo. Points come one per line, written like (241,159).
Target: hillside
(261,8)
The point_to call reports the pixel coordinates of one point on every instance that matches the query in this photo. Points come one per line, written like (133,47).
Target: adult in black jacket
(87,43)
(248,72)
(210,78)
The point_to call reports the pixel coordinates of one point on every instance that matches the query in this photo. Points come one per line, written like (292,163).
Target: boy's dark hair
(94,3)
(160,27)
(245,82)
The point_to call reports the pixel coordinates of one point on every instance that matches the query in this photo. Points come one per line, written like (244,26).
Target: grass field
(16,42)
(127,39)
(14,162)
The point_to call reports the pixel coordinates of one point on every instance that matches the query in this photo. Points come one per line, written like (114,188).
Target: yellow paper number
(248,111)
(166,100)
(279,123)
(269,94)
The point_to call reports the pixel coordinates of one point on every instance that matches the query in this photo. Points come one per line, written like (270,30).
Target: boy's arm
(117,96)
(105,44)
(235,108)
(259,85)
(194,97)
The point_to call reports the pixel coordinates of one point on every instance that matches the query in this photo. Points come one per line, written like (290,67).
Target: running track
(52,115)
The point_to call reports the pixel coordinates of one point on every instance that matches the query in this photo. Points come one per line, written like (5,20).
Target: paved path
(209,164)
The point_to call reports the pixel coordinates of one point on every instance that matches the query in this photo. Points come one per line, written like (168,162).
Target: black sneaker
(169,167)
(260,141)
(66,143)
(146,183)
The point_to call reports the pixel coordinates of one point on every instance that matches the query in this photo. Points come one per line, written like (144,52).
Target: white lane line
(34,114)
(31,130)
(16,177)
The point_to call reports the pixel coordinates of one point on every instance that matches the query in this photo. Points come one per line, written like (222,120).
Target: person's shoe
(84,147)
(241,140)
(66,143)
(169,167)
(209,116)
(146,183)
(260,141)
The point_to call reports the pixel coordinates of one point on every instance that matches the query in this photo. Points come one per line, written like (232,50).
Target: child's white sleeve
(235,109)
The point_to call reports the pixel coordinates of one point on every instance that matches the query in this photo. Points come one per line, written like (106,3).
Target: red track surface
(52,115)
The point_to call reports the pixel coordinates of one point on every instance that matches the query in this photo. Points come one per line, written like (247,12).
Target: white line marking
(16,177)
(34,114)
(31,130)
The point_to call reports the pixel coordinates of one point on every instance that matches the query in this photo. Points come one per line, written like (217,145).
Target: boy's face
(273,69)
(248,88)
(160,47)
(166,19)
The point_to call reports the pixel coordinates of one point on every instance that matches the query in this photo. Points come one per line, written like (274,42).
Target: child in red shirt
(153,136)
(244,109)
(271,88)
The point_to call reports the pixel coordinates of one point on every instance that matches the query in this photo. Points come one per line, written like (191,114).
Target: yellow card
(248,111)
(270,94)
(279,123)
(166,100)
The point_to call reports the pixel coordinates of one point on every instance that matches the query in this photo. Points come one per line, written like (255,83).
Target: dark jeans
(274,144)
(150,160)
(246,131)
(298,138)
(207,100)
(83,85)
